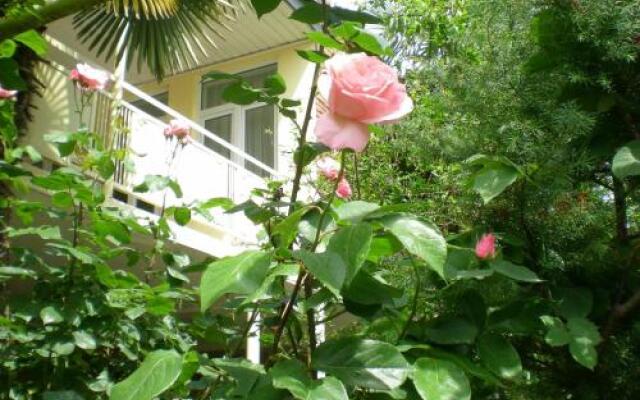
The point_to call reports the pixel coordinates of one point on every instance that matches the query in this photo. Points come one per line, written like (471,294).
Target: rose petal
(340,133)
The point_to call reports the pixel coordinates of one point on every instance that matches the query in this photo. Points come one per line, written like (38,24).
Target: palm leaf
(168,36)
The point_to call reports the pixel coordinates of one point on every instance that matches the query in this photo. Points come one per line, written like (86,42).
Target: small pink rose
(178,128)
(7,94)
(344,189)
(486,246)
(89,78)
(361,90)
(329,168)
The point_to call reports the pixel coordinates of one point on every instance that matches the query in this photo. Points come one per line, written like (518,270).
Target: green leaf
(34,41)
(287,229)
(10,75)
(495,175)
(440,380)
(242,274)
(44,232)
(573,302)
(328,388)
(263,7)
(352,243)
(16,272)
(451,331)
(313,56)
(7,48)
(290,375)
(310,13)
(62,200)
(626,162)
(155,375)
(328,267)
(355,210)
(65,142)
(324,40)
(240,93)
(360,362)
(515,272)
(156,183)
(182,215)
(557,335)
(50,315)
(84,340)
(370,43)
(499,356)
(584,339)
(419,238)
(275,85)
(367,290)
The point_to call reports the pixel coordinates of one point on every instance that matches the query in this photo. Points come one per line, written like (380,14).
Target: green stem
(414,306)
(41,16)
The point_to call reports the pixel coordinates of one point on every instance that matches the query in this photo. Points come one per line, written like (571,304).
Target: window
(252,127)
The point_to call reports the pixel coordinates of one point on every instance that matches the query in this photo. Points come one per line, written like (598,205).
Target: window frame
(238,117)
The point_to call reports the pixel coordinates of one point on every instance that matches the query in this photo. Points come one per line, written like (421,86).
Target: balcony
(201,172)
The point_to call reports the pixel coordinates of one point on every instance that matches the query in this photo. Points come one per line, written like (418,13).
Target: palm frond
(168,36)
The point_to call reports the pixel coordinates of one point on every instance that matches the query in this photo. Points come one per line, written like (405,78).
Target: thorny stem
(302,276)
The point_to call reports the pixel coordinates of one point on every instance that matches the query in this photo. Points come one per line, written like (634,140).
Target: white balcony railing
(201,172)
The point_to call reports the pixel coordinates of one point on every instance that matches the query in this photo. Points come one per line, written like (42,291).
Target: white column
(253,340)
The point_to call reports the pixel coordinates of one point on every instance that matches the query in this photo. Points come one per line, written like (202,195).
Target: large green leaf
(626,162)
(263,7)
(242,274)
(327,267)
(584,339)
(440,380)
(34,41)
(557,335)
(499,356)
(355,210)
(156,374)
(451,331)
(494,176)
(364,363)
(419,238)
(290,375)
(352,243)
(515,272)
(573,302)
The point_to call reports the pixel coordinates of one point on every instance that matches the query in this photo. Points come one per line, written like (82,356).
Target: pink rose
(178,128)
(344,189)
(486,246)
(329,168)
(362,90)
(7,94)
(89,78)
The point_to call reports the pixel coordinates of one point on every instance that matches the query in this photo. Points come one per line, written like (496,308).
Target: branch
(41,16)
(621,312)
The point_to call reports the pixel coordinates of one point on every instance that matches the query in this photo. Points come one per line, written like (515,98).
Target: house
(234,148)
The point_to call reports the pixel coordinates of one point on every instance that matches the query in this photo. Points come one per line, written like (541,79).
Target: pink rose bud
(89,78)
(178,128)
(7,94)
(329,168)
(344,189)
(361,90)
(486,246)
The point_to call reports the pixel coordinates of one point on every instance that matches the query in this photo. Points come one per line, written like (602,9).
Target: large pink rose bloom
(362,90)
(89,78)
(7,94)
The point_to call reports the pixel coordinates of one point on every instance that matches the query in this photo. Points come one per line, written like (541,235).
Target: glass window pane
(260,137)
(221,127)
